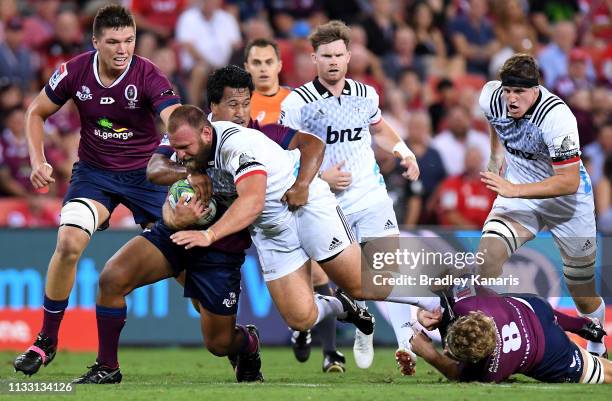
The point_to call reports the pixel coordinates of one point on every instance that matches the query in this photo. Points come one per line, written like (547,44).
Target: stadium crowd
(428,59)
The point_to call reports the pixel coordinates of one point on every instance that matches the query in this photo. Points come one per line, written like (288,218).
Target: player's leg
(585,327)
(596,370)
(213,278)
(503,234)
(333,360)
(137,263)
(86,208)
(576,240)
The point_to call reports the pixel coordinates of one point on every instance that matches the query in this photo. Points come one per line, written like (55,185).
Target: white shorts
(575,235)
(376,221)
(317,230)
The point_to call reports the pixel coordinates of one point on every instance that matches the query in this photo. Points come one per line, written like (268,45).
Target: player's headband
(519,82)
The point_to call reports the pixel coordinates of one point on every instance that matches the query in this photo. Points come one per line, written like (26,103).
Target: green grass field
(194,374)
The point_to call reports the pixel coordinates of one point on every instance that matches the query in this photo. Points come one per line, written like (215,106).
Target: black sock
(326,327)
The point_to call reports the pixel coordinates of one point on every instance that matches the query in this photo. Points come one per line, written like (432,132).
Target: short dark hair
(112,16)
(230,76)
(521,65)
(330,32)
(260,42)
(187,114)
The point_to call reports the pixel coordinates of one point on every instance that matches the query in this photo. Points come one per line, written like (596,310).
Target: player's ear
(348,56)
(280,65)
(94,42)
(313,57)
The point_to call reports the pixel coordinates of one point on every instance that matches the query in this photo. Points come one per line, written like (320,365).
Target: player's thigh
(293,296)
(595,369)
(377,221)
(144,198)
(137,263)
(503,233)
(577,243)
(345,269)
(318,275)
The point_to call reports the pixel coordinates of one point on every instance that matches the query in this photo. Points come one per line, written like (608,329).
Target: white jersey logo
(84,94)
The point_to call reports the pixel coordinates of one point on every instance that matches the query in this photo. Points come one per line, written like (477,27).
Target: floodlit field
(191,373)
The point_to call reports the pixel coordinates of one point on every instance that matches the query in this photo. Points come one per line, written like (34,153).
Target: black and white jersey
(544,139)
(343,124)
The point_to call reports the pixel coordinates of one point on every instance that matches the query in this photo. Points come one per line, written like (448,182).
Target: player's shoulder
(72,67)
(551,111)
(302,95)
(361,90)
(490,99)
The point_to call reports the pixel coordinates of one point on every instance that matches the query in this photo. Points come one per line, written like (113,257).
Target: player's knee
(69,248)
(499,241)
(302,320)
(113,282)
(218,345)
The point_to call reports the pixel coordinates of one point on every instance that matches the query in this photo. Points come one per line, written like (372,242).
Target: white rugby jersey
(546,136)
(343,124)
(240,152)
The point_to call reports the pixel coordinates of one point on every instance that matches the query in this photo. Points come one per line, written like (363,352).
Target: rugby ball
(182,189)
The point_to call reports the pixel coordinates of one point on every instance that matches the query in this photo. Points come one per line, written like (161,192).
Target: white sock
(400,316)
(427,303)
(328,306)
(599,313)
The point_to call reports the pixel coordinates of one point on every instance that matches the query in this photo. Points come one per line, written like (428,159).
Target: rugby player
(544,183)
(118,95)
(345,114)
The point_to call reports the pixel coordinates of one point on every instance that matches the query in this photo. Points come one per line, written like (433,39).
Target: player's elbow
(571,184)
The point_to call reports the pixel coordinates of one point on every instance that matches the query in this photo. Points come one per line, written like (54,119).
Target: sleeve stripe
(246,166)
(568,161)
(165,104)
(287,139)
(545,113)
(308,92)
(250,173)
(297,90)
(54,98)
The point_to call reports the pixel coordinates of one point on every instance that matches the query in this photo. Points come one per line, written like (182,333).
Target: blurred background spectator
(428,59)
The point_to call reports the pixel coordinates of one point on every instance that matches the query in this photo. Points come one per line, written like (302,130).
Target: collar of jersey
(116,81)
(325,93)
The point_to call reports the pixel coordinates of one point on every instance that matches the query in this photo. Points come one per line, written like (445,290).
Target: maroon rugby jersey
(118,129)
(520,338)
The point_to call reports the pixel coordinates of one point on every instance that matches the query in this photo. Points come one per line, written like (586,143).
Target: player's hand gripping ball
(182,189)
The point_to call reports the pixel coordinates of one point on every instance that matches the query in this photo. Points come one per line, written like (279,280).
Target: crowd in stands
(428,60)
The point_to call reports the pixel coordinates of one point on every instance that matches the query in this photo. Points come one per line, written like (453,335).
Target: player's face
(235,106)
(115,47)
(519,100)
(332,61)
(192,146)
(264,67)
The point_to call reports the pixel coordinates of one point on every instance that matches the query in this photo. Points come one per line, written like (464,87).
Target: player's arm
(494,164)
(390,141)
(424,347)
(312,149)
(242,213)
(565,182)
(39,110)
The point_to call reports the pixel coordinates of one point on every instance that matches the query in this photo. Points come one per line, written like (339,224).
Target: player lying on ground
(118,95)
(544,183)
(490,337)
